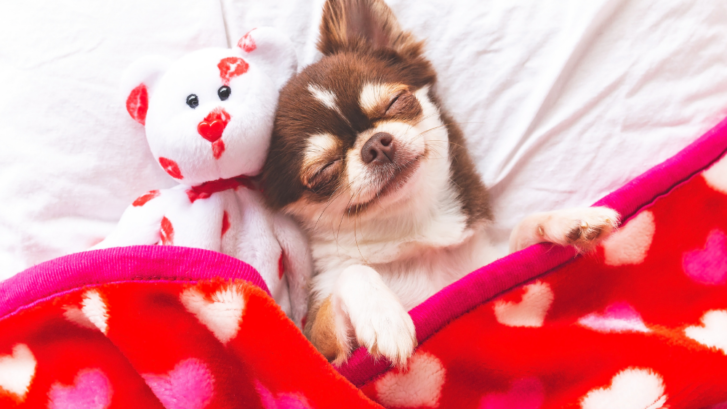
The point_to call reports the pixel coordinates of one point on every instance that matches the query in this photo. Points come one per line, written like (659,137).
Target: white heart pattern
(17,371)
(632,388)
(713,332)
(76,316)
(716,175)
(94,308)
(420,384)
(530,311)
(630,244)
(221,313)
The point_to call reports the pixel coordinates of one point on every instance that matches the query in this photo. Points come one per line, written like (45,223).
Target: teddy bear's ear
(273,49)
(138,82)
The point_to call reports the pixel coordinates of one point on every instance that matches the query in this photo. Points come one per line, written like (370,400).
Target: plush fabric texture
(640,323)
(208,118)
(170,341)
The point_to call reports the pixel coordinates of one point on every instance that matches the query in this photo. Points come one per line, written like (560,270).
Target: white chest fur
(414,270)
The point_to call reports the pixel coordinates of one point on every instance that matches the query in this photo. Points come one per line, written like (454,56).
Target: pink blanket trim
(168,263)
(136,263)
(492,280)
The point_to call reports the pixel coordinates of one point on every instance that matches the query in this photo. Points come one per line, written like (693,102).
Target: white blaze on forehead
(373,95)
(326,97)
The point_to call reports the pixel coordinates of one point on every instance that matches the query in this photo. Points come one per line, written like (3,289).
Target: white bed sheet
(561,101)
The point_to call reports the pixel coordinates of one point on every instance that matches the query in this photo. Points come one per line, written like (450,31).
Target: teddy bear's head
(209,115)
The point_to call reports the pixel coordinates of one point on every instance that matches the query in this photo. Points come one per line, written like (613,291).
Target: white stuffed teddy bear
(209,117)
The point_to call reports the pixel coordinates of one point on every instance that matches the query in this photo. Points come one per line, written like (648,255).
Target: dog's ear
(350,24)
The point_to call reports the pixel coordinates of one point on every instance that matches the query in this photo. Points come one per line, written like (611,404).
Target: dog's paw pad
(583,228)
(594,225)
(584,233)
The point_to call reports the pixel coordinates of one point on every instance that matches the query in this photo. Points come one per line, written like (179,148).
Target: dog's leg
(581,227)
(327,329)
(362,303)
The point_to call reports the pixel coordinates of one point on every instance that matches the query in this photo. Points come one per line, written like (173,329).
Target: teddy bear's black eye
(224,92)
(192,101)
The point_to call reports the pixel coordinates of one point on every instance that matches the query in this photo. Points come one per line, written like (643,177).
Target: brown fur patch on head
(301,115)
(355,25)
(370,71)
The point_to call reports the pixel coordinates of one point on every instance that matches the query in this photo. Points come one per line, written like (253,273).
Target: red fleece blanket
(640,323)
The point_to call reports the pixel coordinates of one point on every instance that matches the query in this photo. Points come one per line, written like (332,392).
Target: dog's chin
(393,190)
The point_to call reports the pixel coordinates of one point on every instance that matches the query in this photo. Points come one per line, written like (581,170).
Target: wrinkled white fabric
(561,101)
(72,159)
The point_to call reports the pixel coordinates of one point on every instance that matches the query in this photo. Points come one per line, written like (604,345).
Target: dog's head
(359,133)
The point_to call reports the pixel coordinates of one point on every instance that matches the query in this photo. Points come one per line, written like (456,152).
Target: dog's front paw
(387,330)
(379,321)
(581,227)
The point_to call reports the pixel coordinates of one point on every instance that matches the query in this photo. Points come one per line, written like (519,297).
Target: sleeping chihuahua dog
(377,172)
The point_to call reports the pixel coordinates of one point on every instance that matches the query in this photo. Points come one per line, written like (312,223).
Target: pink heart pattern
(190,385)
(91,389)
(708,265)
(618,317)
(281,400)
(527,393)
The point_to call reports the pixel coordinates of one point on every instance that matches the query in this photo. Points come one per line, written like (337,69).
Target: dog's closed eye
(323,176)
(389,101)
(393,101)
(403,106)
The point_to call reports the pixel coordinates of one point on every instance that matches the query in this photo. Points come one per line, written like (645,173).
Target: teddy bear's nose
(213,125)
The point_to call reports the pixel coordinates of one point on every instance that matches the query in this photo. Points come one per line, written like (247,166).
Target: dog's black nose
(379,149)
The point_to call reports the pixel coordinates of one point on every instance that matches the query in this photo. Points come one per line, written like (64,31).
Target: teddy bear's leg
(140,223)
(256,243)
(298,263)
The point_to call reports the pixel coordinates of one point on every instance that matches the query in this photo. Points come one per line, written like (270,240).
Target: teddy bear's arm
(299,266)
(140,224)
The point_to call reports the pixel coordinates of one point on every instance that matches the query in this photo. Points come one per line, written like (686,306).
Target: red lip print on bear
(247,43)
(143,199)
(225,223)
(167,232)
(171,168)
(137,103)
(218,147)
(231,67)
